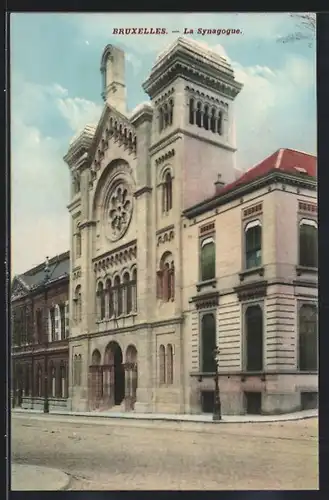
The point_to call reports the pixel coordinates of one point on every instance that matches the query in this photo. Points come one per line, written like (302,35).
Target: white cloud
(40,181)
(78,112)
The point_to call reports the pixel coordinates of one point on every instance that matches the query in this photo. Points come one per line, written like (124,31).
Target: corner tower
(192,90)
(113,78)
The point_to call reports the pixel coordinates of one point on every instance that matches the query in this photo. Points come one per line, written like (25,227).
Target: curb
(24,483)
(161,419)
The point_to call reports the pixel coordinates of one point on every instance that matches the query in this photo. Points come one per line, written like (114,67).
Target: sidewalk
(35,478)
(205,418)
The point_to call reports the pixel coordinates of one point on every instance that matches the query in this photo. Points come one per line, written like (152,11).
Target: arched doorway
(131,377)
(95,380)
(114,375)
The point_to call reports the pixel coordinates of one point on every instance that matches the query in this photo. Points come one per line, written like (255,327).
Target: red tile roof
(285,160)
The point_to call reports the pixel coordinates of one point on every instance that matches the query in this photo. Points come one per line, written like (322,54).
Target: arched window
(253,242)
(166,278)
(198,114)
(77,304)
(208,259)
(171,112)
(208,343)
(213,120)
(118,296)
(206,118)
(134,290)
(101,301)
(308,243)
(170,366)
(165,116)
(128,292)
(254,338)
(109,291)
(161,122)
(308,338)
(191,111)
(167,192)
(162,365)
(220,123)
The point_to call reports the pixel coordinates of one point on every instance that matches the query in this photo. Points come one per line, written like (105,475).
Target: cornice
(183,65)
(239,191)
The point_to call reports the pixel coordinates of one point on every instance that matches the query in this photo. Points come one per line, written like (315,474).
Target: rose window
(119,211)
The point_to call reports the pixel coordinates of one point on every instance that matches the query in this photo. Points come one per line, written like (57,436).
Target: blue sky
(56,85)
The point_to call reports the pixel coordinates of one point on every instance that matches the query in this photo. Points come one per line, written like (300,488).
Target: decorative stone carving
(165,157)
(125,254)
(119,210)
(165,236)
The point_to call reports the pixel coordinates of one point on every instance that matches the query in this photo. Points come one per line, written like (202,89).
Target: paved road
(101,456)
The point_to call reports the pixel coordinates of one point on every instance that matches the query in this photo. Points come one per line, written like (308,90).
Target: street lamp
(217,415)
(46,400)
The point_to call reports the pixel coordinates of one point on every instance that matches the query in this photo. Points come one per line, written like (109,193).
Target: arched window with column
(253,244)
(220,123)
(308,243)
(118,296)
(170,364)
(208,259)
(308,338)
(162,365)
(254,338)
(161,120)
(167,192)
(198,115)
(213,120)
(191,111)
(171,112)
(206,117)
(109,296)
(100,301)
(134,290)
(208,343)
(127,286)
(166,278)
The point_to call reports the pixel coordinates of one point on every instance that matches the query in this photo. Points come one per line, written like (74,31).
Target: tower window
(198,114)
(206,118)
(191,111)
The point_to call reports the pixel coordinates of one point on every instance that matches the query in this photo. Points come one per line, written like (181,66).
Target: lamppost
(46,400)
(217,415)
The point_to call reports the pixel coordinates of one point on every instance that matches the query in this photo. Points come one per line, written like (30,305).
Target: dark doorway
(253,403)
(119,374)
(207,401)
(309,400)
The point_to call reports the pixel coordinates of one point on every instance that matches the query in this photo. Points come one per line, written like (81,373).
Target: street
(103,455)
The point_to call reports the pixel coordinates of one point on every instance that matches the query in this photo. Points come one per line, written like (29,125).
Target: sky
(56,90)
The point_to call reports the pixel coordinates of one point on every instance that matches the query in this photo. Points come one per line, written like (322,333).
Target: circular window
(119,210)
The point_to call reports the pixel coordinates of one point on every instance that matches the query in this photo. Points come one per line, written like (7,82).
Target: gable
(18,289)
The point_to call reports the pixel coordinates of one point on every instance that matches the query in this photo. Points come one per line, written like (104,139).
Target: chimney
(113,78)
(219,183)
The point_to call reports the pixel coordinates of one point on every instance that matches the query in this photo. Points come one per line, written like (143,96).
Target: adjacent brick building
(40,328)
(172,254)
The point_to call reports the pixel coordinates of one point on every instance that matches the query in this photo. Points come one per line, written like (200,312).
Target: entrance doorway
(253,403)
(207,401)
(114,375)
(119,374)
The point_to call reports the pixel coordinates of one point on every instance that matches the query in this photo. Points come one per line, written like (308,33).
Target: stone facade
(143,204)
(40,331)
